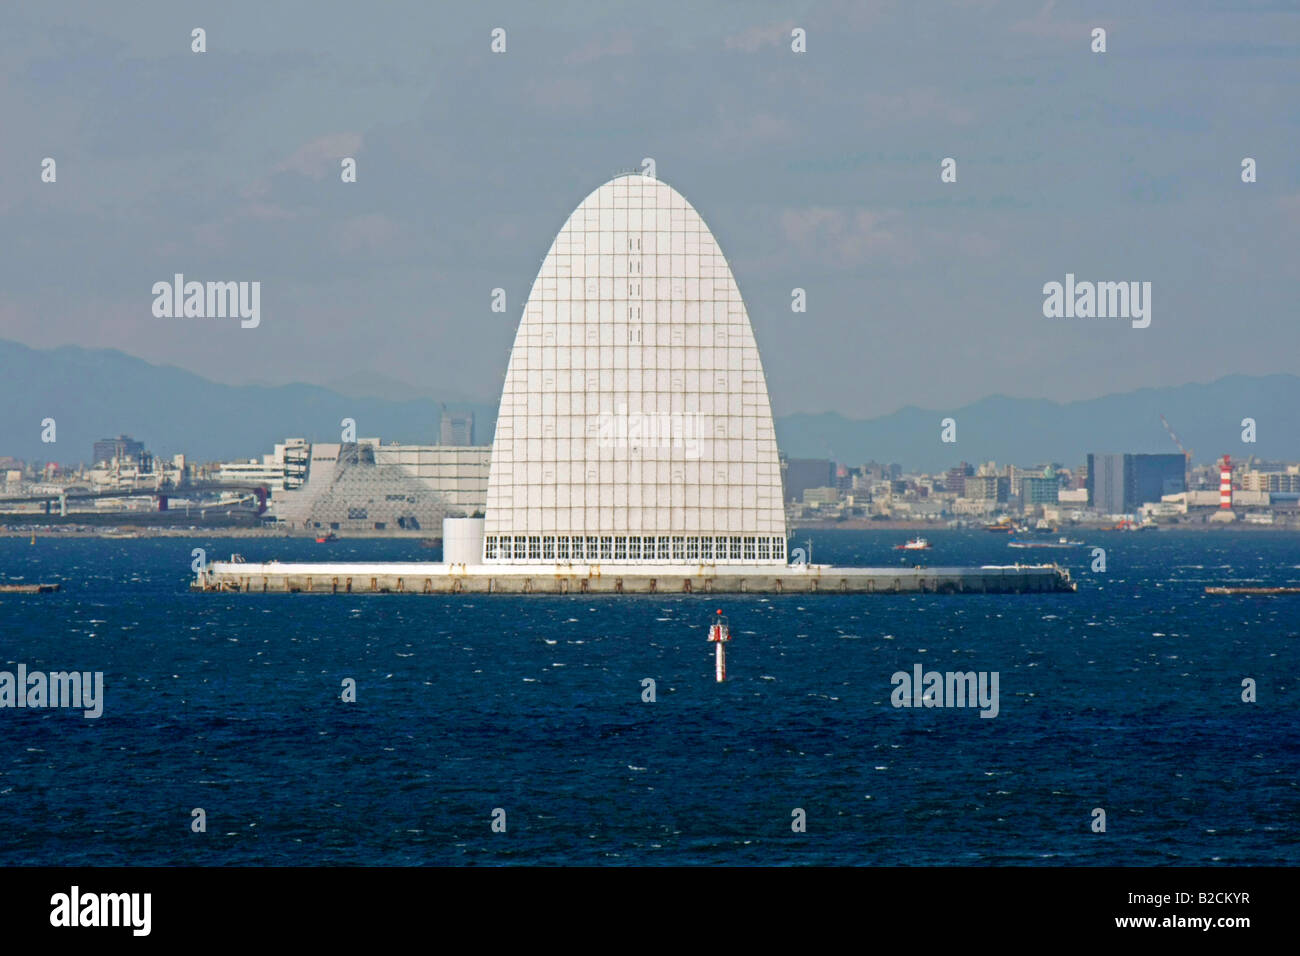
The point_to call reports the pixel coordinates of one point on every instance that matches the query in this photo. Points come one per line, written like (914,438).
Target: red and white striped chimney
(1225,482)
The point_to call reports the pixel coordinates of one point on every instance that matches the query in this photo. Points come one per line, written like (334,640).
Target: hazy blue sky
(818,170)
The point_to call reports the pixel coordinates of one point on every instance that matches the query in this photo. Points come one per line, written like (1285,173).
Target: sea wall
(416,578)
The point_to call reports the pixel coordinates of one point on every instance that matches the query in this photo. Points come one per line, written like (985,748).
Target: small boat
(915,544)
(326,538)
(1006,525)
(1061,543)
(1128,524)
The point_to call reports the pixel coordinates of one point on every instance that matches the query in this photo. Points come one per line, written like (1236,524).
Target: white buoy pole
(719,634)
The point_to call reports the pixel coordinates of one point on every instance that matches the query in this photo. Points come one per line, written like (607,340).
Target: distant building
(459,473)
(283,469)
(457,429)
(844,478)
(1273,481)
(252,472)
(820,496)
(986,487)
(1157,475)
(804,473)
(1040,489)
(980,487)
(367,485)
(1118,484)
(874,469)
(122,448)
(1106,484)
(955,480)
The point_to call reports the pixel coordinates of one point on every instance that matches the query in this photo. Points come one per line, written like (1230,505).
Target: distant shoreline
(794,531)
(187,532)
(861,524)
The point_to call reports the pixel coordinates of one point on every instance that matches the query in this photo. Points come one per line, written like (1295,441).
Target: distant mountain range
(1026,431)
(94,394)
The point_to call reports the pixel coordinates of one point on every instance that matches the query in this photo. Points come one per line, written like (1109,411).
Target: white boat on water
(1061,543)
(915,544)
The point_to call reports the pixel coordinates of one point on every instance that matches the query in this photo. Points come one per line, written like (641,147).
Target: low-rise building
(821,496)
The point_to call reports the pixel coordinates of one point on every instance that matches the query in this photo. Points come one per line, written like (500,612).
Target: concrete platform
(430,578)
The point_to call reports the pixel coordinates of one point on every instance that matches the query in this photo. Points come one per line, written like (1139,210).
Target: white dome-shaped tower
(635,426)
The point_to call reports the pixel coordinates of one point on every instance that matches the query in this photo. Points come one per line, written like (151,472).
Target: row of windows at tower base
(639,548)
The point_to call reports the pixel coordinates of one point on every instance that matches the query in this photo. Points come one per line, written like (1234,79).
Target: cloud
(623,43)
(315,159)
(881,109)
(765,127)
(972,245)
(851,239)
(365,233)
(563,94)
(844,238)
(1041,25)
(320,157)
(757,37)
(740,133)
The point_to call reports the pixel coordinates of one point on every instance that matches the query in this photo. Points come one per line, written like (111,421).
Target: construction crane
(1187,455)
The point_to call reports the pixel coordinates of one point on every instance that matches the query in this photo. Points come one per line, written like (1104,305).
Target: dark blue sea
(1126,696)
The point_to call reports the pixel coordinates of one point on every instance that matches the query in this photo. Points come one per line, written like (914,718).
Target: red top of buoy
(719,610)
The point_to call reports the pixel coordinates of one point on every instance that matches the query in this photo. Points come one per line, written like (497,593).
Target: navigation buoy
(719,634)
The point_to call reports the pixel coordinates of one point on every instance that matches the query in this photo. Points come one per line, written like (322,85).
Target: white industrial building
(635,426)
(367,485)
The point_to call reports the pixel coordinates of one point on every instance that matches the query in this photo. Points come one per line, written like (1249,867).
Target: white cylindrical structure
(462,540)
(719,634)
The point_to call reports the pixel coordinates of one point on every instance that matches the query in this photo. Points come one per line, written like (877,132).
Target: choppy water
(1124,696)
